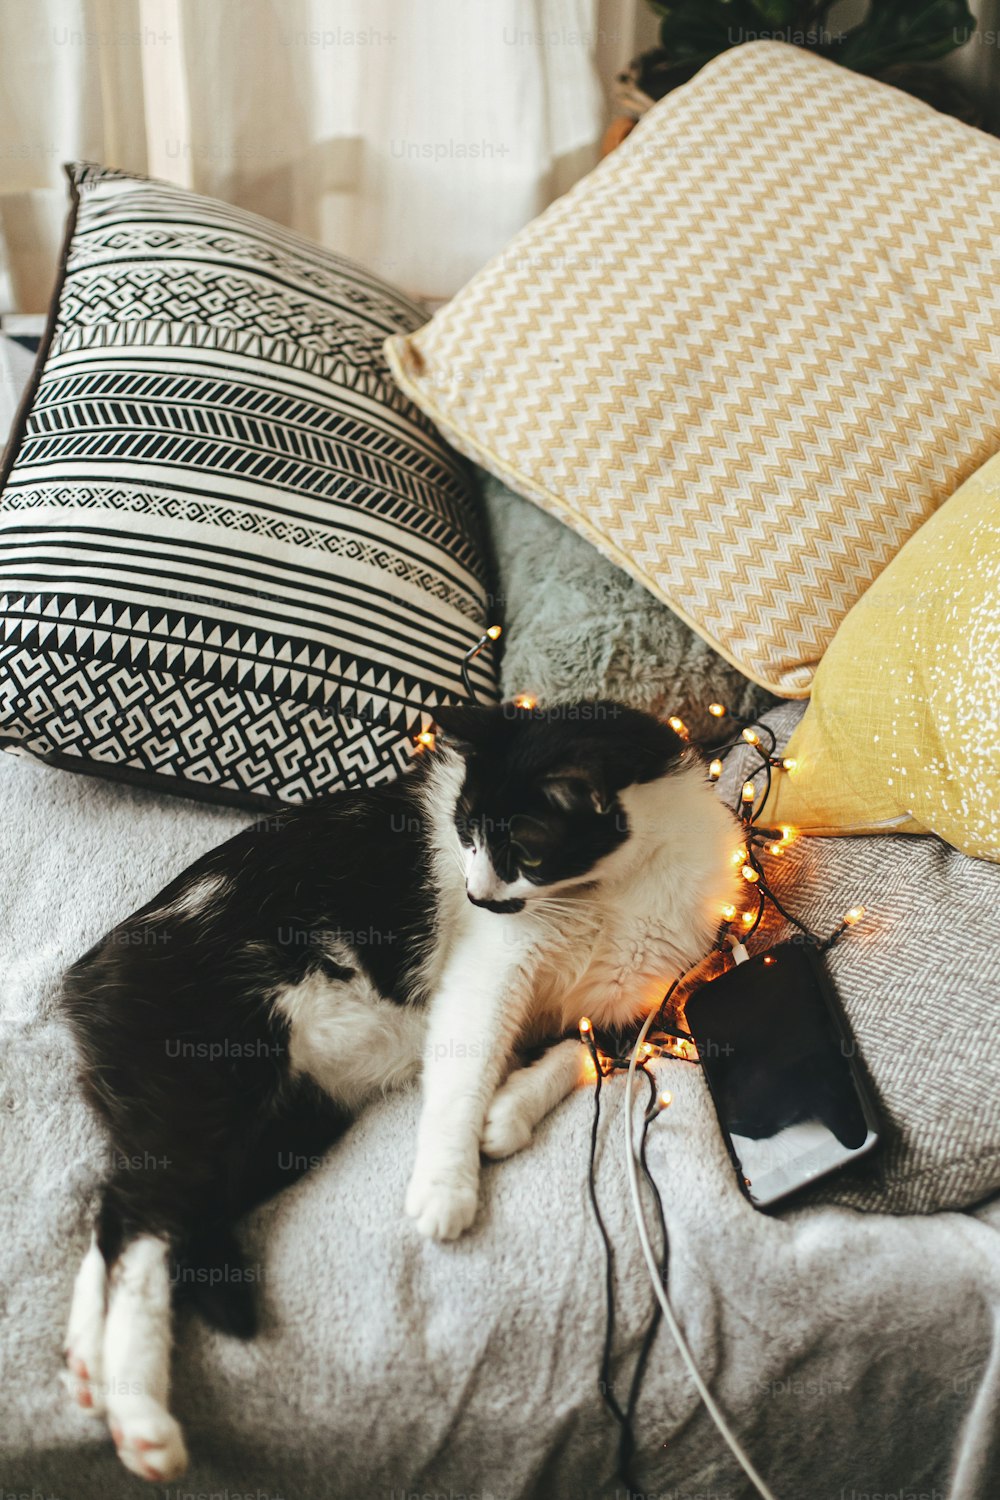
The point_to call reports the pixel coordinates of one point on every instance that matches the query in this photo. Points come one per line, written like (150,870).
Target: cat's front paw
(508,1126)
(441,1210)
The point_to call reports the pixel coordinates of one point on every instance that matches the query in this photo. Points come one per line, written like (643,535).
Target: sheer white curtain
(414,135)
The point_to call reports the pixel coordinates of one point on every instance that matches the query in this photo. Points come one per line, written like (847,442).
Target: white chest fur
(613,950)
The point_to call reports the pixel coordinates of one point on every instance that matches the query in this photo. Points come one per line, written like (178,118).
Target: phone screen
(780,1063)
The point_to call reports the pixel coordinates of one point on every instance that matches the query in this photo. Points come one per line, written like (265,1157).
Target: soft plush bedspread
(858,1355)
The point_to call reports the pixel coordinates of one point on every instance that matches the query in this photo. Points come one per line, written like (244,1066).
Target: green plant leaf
(780,15)
(692,31)
(903,31)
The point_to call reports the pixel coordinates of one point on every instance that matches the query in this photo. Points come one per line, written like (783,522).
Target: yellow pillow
(903,729)
(749,354)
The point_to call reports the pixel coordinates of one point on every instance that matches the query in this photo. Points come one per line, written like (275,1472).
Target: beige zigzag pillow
(749,354)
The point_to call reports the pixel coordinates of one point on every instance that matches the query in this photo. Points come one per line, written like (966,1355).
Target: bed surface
(856,1353)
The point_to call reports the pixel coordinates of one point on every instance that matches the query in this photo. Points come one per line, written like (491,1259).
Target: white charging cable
(632,1162)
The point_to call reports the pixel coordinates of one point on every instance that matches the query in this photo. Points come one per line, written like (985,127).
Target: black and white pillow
(234,559)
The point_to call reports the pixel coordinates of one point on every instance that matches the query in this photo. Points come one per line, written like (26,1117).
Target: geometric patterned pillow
(235,561)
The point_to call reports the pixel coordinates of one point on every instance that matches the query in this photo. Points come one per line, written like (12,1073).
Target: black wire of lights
(492,633)
(758,839)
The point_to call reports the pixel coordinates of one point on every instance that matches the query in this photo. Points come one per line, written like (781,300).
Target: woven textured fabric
(918,981)
(234,558)
(749,354)
(902,728)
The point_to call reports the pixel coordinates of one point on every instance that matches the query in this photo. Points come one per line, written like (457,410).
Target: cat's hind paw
(82,1384)
(149,1441)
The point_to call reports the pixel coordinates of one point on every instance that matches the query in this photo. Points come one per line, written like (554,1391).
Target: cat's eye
(524,828)
(465,824)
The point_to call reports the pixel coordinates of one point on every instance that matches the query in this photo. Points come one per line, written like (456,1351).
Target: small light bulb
(664,1100)
(494,632)
(787,833)
(750,874)
(678,726)
(769,959)
(748,793)
(729,911)
(585,1027)
(789,763)
(854,915)
(715,769)
(751,736)
(717,710)
(739,855)
(427,739)
(647,1049)
(775,849)
(525,700)
(748,918)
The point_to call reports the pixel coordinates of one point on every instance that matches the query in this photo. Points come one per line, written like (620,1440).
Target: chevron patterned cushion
(234,559)
(749,354)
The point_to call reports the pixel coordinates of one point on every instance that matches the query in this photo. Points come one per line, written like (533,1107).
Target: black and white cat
(534,868)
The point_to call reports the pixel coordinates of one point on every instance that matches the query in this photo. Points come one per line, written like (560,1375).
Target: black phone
(781,1064)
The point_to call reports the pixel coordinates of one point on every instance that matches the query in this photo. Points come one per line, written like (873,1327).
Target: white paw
(82,1379)
(149,1441)
(441,1210)
(508,1127)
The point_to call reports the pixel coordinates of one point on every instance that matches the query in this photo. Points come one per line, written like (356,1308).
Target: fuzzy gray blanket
(857,1355)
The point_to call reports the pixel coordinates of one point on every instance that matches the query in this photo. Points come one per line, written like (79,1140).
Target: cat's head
(540,807)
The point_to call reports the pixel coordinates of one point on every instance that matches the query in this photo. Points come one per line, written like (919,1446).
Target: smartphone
(782,1067)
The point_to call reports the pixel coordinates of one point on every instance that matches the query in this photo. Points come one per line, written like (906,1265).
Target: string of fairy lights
(659,1037)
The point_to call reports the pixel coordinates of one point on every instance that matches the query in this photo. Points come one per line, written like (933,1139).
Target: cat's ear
(577,788)
(466,727)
